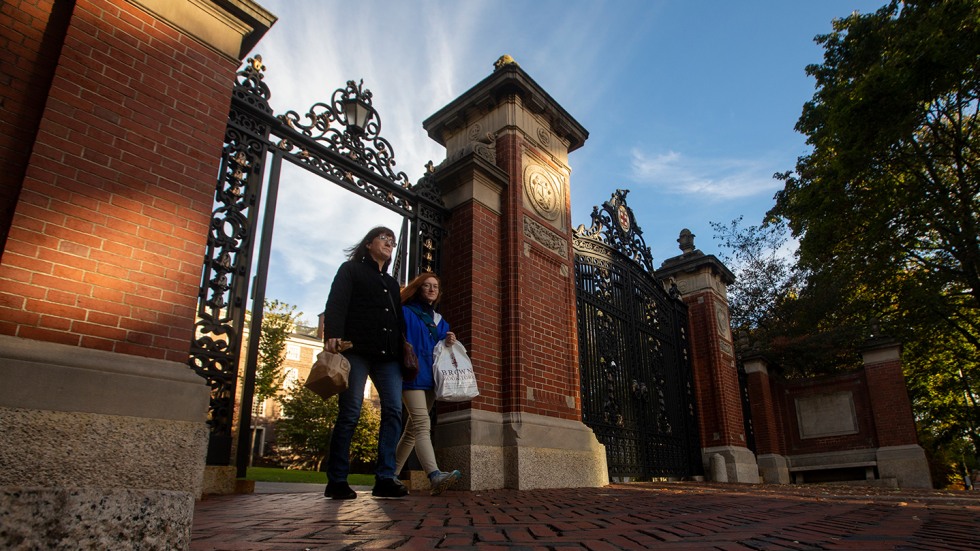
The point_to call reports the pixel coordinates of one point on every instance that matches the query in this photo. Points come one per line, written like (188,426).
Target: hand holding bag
(453,373)
(329,374)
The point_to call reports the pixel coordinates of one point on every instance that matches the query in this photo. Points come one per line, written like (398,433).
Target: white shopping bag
(453,373)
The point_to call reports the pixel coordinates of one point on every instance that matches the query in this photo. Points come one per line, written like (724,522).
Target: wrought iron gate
(637,385)
(339,141)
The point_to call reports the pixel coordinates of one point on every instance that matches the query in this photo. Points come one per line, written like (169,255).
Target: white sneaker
(443,481)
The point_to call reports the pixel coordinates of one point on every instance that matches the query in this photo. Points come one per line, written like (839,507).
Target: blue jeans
(387,378)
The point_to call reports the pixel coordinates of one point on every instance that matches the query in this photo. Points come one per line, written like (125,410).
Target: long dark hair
(360,250)
(413,291)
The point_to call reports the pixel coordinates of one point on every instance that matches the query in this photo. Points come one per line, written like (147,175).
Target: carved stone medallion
(721,317)
(543,191)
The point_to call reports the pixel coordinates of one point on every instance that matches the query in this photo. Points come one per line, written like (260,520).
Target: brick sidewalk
(621,516)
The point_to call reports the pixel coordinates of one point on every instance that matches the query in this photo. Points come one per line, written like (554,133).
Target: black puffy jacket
(364,307)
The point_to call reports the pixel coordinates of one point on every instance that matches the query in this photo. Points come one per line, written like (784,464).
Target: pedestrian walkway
(620,516)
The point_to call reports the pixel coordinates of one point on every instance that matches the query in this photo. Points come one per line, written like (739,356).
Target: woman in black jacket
(364,308)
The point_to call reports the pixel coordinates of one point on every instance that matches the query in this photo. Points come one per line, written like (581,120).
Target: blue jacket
(419,336)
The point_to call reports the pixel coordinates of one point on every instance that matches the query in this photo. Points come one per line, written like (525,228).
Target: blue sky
(689,104)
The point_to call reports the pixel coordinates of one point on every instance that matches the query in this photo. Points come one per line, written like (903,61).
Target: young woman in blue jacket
(424,327)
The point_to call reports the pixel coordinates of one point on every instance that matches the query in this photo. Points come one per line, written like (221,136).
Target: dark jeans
(387,378)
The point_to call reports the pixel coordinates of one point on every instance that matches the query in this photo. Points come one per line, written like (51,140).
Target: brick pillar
(769,447)
(100,268)
(703,282)
(29,60)
(899,453)
(511,288)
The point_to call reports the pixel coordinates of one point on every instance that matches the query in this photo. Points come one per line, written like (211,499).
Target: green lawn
(268,474)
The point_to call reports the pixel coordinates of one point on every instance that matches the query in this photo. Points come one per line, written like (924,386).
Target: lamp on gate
(357,112)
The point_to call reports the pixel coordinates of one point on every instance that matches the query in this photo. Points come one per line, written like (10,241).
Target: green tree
(364,446)
(278,319)
(886,207)
(892,185)
(773,311)
(764,268)
(303,432)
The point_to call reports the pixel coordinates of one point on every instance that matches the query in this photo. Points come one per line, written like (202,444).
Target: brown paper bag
(329,374)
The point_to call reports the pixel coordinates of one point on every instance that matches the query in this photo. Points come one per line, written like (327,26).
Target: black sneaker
(389,487)
(339,490)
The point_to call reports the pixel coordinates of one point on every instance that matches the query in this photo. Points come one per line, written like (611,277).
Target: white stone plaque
(826,415)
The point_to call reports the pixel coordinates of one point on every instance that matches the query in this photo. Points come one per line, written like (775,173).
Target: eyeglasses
(388,239)
(432,286)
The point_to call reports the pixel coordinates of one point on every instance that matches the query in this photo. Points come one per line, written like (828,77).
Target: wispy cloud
(313,49)
(711,179)
(418,56)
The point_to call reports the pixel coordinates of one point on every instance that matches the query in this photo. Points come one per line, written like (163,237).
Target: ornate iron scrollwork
(636,380)
(328,125)
(331,140)
(616,227)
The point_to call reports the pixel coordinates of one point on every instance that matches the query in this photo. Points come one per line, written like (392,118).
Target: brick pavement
(621,516)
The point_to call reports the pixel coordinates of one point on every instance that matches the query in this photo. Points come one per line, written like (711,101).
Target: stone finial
(686,241)
(875,328)
(503,60)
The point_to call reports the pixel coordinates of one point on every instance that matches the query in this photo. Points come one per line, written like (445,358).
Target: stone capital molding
(230,27)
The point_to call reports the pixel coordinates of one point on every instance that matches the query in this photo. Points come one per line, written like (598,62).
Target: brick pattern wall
(549,336)
(768,426)
(715,377)
(881,406)
(509,148)
(855,383)
(540,334)
(889,399)
(107,240)
(472,299)
(31,35)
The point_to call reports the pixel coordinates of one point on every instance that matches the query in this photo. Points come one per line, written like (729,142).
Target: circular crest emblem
(543,191)
(624,218)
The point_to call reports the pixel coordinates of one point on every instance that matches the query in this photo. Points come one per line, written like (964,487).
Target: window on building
(292,352)
(290,378)
(258,408)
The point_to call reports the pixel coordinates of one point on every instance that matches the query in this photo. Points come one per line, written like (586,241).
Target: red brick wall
(539,340)
(548,336)
(31,34)
(509,159)
(472,297)
(889,398)
(768,426)
(789,391)
(715,377)
(107,240)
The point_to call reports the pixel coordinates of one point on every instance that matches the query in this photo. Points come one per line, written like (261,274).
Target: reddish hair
(413,290)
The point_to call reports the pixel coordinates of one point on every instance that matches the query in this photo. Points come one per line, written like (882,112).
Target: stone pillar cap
(507,78)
